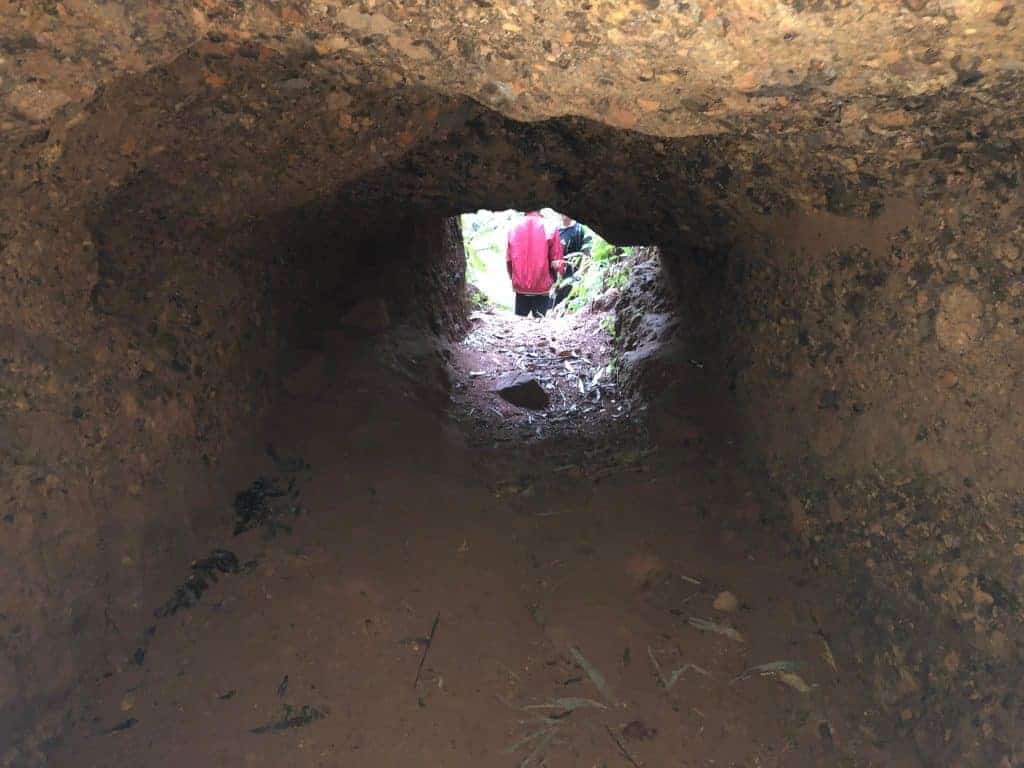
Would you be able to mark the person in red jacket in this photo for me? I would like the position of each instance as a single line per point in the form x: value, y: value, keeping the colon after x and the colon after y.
x: 533, y: 257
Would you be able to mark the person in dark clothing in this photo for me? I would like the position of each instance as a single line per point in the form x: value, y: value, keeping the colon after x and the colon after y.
x: 574, y: 238
x: 575, y: 244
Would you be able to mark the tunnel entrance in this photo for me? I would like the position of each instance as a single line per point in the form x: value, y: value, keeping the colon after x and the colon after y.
x: 524, y: 375
x: 595, y: 270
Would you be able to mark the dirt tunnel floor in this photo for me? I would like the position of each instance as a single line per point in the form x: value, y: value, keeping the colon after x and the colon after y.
x: 574, y: 585
x: 569, y: 356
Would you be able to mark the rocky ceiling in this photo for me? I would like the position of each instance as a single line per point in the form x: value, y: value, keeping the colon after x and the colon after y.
x: 659, y: 66
x: 265, y: 104
x: 290, y: 101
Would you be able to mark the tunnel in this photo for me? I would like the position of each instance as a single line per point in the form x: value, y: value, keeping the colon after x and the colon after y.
x: 248, y: 519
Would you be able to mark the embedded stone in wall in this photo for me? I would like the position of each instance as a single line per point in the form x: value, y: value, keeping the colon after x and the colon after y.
x: 958, y: 323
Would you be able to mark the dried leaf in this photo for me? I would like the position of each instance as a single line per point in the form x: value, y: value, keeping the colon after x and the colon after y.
x: 769, y: 669
x: 704, y: 625
x: 676, y: 674
x: 794, y: 681
x: 672, y: 679
x: 829, y: 658
x: 569, y: 704
x: 595, y: 676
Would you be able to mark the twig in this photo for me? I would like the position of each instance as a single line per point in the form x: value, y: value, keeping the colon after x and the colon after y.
x: 426, y: 649
x: 705, y: 625
x: 595, y: 676
x: 671, y: 680
x: 625, y: 752
x: 570, y: 704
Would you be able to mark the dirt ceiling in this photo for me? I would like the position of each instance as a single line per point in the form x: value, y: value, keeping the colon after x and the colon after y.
x: 666, y: 68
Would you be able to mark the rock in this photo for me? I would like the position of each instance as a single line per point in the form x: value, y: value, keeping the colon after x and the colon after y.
x: 637, y: 731
x: 294, y: 84
x: 523, y: 390
x: 798, y: 519
x: 1000, y: 646
x: 958, y: 323
x: 606, y: 301
x: 36, y: 103
x: 726, y: 602
x: 369, y: 315
x: 981, y: 597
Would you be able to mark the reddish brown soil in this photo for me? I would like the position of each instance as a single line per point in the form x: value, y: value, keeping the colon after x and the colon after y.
x: 524, y: 549
x: 570, y: 355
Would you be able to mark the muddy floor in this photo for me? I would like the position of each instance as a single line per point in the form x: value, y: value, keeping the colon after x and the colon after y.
x: 435, y: 582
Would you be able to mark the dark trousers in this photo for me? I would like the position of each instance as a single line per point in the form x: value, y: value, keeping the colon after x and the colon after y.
x: 527, y: 303
x: 566, y: 288
x: 561, y: 293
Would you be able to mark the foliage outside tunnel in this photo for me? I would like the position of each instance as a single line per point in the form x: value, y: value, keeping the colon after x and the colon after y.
x: 484, y: 234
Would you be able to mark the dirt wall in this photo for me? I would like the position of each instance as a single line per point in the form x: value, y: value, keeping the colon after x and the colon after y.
x: 874, y: 366
x: 128, y: 416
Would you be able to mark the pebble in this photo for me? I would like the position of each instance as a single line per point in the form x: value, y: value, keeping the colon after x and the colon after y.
x: 726, y: 602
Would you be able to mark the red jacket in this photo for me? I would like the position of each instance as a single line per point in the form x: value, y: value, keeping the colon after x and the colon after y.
x: 529, y: 256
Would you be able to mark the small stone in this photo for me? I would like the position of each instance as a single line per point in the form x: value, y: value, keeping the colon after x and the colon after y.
x: 958, y: 324
x: 637, y: 731
x: 293, y: 84
x: 620, y: 117
x: 523, y: 390
x: 641, y: 566
x: 726, y: 602
x: 128, y: 702
x: 748, y: 81
x: 1000, y: 646
x: 36, y: 103
x: 606, y: 301
x: 798, y: 519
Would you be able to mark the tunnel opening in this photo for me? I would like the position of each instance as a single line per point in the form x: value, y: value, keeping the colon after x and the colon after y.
x: 592, y: 267
x: 526, y: 374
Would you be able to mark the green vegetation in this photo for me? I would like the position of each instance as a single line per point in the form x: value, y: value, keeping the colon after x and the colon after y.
x: 484, y: 234
x: 608, y: 325
x: 602, y: 270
